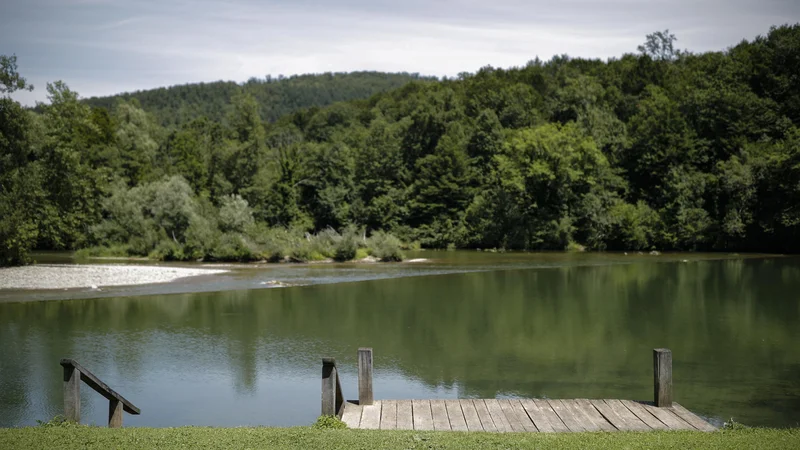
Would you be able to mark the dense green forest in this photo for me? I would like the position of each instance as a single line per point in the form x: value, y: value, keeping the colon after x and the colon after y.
x: 177, y: 105
x: 663, y: 149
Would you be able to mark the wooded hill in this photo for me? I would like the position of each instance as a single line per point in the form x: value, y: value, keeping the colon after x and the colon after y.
x: 662, y: 149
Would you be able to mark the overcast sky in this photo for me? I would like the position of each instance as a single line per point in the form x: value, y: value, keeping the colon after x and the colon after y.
x: 101, y: 47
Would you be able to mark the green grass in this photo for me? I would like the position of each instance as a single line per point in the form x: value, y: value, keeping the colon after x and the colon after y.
x: 75, y: 436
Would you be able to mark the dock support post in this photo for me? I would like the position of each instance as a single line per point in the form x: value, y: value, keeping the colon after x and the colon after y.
x: 72, y: 394
x: 365, y: 376
x: 328, y: 386
x: 114, y: 414
x: 662, y: 377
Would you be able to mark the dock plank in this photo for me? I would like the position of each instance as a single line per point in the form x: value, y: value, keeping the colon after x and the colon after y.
x: 632, y: 422
x: 351, y: 415
x: 566, y: 415
x: 522, y: 416
x: 692, y: 418
x: 498, y: 417
x: 483, y: 414
x: 586, y: 421
x: 388, y: 415
x: 609, y: 414
x: 651, y: 420
x: 511, y: 415
x: 440, y: 420
x: 423, y: 419
x: 586, y: 406
x: 371, y: 416
x: 667, y: 416
x: 555, y: 421
x: 405, y: 416
x: 456, y: 415
x: 536, y: 415
x: 471, y: 415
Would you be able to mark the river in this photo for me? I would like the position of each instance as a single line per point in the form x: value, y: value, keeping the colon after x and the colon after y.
x: 227, y: 350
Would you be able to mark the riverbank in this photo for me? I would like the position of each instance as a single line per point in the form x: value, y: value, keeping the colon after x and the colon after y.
x: 84, y: 437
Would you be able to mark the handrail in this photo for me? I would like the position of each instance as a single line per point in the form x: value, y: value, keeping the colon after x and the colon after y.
x: 332, y: 397
x: 74, y: 373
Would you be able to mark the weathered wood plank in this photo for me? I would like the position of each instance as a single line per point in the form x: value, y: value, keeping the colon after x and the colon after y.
x: 72, y: 393
x: 100, y: 387
x: 388, y: 415
x: 114, y: 414
x: 667, y: 416
x: 456, y: 415
x: 371, y: 416
x: 632, y: 423
x: 498, y: 417
x: 470, y: 415
x: 586, y: 421
x: 692, y: 418
x: 644, y: 416
x: 423, y: 418
x: 511, y: 415
x: 365, y: 396
x: 555, y: 422
x: 483, y: 414
x: 405, y: 416
x: 594, y: 415
x: 522, y: 416
x: 609, y: 414
x: 569, y: 419
x: 662, y: 377
x: 440, y: 420
x: 351, y: 415
x: 536, y: 415
x: 328, y: 387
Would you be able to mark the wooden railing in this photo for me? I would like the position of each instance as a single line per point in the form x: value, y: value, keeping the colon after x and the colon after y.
x: 74, y: 373
x: 332, y: 397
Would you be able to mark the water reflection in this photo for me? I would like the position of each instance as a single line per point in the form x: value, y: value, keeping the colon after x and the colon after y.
x: 233, y: 358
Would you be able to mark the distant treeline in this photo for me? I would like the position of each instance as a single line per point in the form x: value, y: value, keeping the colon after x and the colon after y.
x: 663, y: 149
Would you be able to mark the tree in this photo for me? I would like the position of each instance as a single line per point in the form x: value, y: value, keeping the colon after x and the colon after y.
x: 10, y: 79
x: 660, y: 46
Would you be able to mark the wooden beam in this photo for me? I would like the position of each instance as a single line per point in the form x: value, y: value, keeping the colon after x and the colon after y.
x: 100, y: 387
x: 114, y: 414
x: 662, y: 377
x: 329, y: 387
x: 72, y: 393
x: 365, y: 396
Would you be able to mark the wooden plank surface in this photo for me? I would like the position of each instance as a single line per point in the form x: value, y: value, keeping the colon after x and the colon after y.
x: 371, y: 416
x: 667, y: 416
x: 522, y: 416
x: 423, y: 420
x: 456, y: 415
x: 498, y: 417
x: 405, y: 415
x: 586, y: 421
x: 352, y: 415
x: 483, y: 414
x: 632, y: 423
x: 365, y: 376
x: 440, y: 420
x: 569, y: 419
x: 692, y: 418
x: 644, y: 416
x: 555, y: 421
x: 388, y: 415
x: 594, y: 415
x: 511, y: 415
x: 471, y: 415
x: 609, y: 414
x: 536, y: 415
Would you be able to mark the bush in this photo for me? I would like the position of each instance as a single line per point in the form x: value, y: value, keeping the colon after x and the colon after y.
x: 385, y: 247
x: 167, y: 250
x: 232, y: 247
x: 329, y: 423
x: 346, y: 249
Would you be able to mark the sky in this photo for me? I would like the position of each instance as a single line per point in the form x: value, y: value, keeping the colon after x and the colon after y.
x: 103, y: 47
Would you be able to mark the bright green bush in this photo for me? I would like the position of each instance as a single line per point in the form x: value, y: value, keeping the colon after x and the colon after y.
x: 386, y: 247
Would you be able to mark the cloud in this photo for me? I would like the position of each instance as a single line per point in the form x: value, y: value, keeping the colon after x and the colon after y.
x: 101, y: 47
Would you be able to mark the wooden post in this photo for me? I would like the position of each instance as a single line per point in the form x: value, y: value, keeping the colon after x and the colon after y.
x: 662, y: 377
x: 72, y: 394
x: 114, y: 414
x: 365, y: 376
x: 328, y: 386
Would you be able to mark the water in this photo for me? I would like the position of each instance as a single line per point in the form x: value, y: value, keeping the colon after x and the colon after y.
x: 477, y: 325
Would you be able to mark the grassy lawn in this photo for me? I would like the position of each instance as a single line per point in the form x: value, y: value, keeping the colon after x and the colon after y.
x: 65, y: 437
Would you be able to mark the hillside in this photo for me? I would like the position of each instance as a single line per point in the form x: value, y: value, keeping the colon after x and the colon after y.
x: 176, y: 105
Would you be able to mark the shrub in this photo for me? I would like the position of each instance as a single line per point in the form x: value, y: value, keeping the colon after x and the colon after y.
x: 346, y: 249
x: 329, y: 423
x: 234, y: 214
x: 385, y: 246
x: 167, y: 250
x: 232, y: 247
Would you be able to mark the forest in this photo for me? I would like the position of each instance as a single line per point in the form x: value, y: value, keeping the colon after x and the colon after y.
x: 659, y: 149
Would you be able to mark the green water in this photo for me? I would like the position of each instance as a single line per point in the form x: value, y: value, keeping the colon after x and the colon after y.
x: 547, y: 325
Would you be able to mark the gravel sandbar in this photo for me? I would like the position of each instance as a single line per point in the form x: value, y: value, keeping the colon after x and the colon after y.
x: 45, y: 276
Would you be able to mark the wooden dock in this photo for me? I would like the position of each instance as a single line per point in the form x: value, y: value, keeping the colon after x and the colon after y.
x: 520, y: 415
x: 508, y: 415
